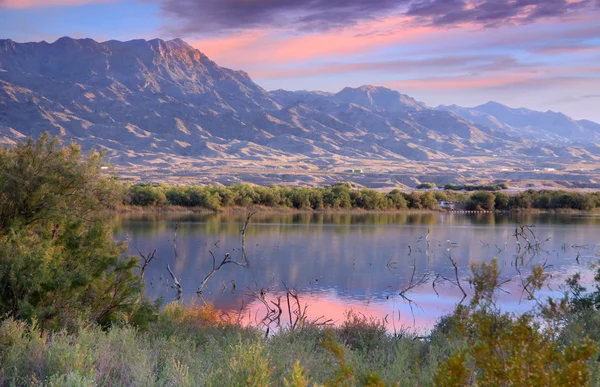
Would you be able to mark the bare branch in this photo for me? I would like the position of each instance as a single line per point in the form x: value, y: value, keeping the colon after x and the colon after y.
x: 176, y: 284
x: 226, y: 260
x: 457, y: 279
x: 146, y: 261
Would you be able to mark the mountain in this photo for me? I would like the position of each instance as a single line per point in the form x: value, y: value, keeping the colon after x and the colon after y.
x: 158, y: 104
x: 530, y: 123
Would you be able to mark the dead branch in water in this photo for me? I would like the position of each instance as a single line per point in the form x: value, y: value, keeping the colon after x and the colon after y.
x: 176, y: 284
x: 245, y: 225
x: 227, y: 259
x: 288, y: 303
x: 243, y: 232
x: 175, y: 238
x: 456, y: 281
x: 146, y: 261
x: 533, y: 246
x: 413, y: 283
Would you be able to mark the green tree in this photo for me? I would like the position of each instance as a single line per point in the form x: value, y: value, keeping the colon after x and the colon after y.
x: 58, y: 259
x: 481, y: 201
x: 501, y: 201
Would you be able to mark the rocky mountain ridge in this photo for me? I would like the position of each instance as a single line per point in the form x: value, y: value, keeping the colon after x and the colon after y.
x: 157, y: 101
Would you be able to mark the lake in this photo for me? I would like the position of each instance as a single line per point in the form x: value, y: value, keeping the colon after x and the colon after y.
x: 338, y: 262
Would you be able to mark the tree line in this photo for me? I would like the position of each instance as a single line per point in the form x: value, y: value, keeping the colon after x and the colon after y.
x: 345, y: 196
x: 532, y: 199
x: 339, y: 196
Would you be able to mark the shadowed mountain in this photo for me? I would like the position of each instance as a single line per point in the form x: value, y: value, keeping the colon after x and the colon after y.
x: 549, y: 126
x: 159, y: 100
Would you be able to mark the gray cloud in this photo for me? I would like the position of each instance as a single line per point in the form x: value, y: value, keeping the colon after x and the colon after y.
x: 492, y: 13
x: 471, y: 64
x: 214, y: 16
x: 231, y: 15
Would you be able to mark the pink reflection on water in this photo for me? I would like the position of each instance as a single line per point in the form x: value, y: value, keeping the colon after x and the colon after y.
x: 419, y: 315
x: 396, y: 313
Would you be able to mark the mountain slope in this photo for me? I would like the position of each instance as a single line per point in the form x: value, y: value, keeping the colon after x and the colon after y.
x: 156, y: 101
x: 550, y: 126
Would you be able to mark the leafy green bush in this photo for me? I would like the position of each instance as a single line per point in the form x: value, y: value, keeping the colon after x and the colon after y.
x: 58, y: 260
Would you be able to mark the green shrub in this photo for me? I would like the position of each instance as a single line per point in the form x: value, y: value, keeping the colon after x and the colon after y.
x: 58, y: 258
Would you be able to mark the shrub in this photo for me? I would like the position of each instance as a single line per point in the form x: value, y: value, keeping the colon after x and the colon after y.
x: 58, y: 259
x: 362, y: 333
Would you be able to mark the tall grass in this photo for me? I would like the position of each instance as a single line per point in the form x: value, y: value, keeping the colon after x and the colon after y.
x: 197, y: 346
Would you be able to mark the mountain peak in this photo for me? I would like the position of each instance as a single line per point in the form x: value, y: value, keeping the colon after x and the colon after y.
x: 492, y: 104
x: 66, y: 41
x: 179, y: 42
x: 379, y: 98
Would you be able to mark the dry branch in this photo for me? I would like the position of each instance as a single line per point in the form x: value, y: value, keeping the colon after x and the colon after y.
x: 176, y: 284
x: 146, y: 261
x: 227, y: 259
x: 456, y: 281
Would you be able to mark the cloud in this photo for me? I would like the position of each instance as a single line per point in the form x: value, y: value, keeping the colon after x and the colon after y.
x: 221, y: 16
x: 493, y: 13
x: 472, y: 64
x: 264, y: 46
x: 48, y: 3
x: 570, y: 99
x: 565, y: 49
x: 543, y: 79
x: 232, y: 15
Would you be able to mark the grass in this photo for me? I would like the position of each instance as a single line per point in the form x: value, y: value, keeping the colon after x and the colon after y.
x: 197, y: 345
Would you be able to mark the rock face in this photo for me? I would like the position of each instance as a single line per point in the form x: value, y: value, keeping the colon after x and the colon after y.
x: 140, y: 98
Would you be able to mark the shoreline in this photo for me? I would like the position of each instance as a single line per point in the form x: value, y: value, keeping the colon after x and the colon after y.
x: 353, y: 211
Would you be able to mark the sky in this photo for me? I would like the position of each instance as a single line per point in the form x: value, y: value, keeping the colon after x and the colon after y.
x: 539, y: 54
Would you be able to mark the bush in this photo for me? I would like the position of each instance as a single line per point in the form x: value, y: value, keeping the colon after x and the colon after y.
x: 426, y: 186
x: 362, y: 333
x: 481, y: 201
x: 58, y: 259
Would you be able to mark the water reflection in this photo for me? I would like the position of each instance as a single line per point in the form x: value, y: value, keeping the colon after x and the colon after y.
x: 339, y: 261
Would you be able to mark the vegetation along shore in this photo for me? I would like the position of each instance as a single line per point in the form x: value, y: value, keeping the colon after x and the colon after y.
x: 344, y: 196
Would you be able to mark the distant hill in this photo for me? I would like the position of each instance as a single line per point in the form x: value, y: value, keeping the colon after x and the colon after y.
x: 142, y: 100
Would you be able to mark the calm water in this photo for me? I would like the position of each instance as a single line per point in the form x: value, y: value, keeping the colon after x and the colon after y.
x: 339, y: 262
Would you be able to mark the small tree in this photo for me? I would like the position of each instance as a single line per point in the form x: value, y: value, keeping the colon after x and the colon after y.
x: 58, y: 259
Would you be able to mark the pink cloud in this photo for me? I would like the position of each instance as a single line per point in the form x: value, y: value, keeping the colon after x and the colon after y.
x: 260, y: 46
x: 541, y: 78
x: 562, y: 50
x: 462, y: 82
x: 48, y: 3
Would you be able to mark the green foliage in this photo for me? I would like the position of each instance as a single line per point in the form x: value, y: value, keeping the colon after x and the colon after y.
x: 297, y: 377
x: 249, y: 366
x: 344, y: 196
x: 339, y: 196
x: 58, y: 260
x: 427, y: 186
x: 481, y: 201
x: 471, y: 187
x: 145, y: 195
x: 505, y: 349
x: 361, y: 332
x: 344, y: 372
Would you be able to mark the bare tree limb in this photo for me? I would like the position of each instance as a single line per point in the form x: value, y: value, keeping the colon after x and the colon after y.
x: 176, y: 284
x: 146, y: 261
x: 216, y: 268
